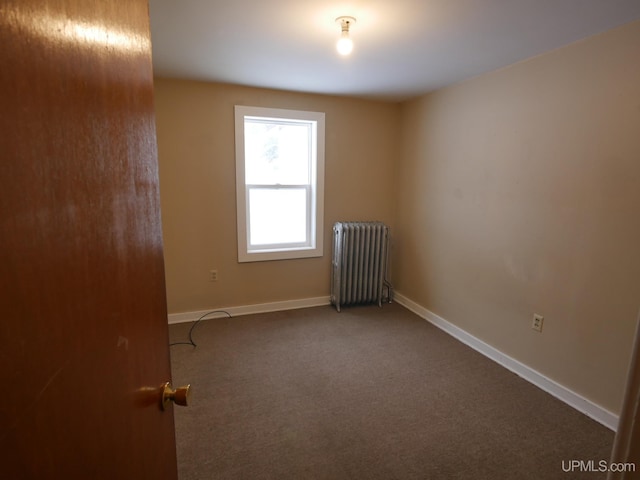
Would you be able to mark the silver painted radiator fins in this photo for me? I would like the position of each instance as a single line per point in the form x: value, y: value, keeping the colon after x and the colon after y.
x: 359, y: 266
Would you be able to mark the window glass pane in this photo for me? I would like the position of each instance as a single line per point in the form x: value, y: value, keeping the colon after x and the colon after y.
x: 277, y: 152
x: 277, y: 216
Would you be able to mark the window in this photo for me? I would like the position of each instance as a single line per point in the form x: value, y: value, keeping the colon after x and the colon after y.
x: 279, y: 183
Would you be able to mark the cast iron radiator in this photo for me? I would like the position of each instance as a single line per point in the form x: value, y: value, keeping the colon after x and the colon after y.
x: 359, y: 266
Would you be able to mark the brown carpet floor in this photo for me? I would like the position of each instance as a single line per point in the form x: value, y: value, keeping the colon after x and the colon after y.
x: 368, y: 393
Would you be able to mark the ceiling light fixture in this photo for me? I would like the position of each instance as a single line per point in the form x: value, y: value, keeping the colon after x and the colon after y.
x: 345, y: 44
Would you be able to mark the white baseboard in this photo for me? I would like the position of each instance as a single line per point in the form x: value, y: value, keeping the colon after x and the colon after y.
x: 249, y: 309
x: 561, y: 392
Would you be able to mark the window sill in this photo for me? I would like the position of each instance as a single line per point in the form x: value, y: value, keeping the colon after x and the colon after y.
x: 280, y: 254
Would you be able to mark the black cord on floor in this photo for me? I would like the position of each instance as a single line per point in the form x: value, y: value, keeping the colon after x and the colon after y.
x: 191, y: 342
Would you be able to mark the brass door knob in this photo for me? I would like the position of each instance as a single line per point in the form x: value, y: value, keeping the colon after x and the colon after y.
x: 179, y: 396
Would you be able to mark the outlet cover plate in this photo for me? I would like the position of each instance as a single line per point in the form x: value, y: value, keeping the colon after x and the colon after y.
x: 537, y: 323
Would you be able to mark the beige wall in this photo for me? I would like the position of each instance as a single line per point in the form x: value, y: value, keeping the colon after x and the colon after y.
x: 195, y: 124
x: 519, y: 192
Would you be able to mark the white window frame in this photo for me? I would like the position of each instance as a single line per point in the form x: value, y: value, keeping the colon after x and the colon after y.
x: 315, y: 189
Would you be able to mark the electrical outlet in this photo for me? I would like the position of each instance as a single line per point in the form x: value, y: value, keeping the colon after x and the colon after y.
x: 538, y: 320
x: 213, y: 275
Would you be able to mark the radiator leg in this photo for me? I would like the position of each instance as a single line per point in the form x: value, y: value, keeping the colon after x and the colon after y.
x: 389, y: 291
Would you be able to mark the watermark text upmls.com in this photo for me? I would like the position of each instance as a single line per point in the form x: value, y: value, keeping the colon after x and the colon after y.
x: 596, y: 466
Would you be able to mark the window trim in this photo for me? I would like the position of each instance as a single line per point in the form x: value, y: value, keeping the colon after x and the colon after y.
x: 316, y: 224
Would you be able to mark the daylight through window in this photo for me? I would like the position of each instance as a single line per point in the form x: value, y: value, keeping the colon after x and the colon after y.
x: 280, y: 172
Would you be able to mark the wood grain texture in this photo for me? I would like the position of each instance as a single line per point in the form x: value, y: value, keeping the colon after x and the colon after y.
x: 82, y: 279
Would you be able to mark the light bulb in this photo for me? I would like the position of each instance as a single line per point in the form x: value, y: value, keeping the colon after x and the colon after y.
x: 344, y: 45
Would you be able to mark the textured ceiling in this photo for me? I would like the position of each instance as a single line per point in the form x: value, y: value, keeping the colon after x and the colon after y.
x: 403, y: 48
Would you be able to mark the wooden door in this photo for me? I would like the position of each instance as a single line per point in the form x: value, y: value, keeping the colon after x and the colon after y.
x: 84, y: 338
x: 626, y: 446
